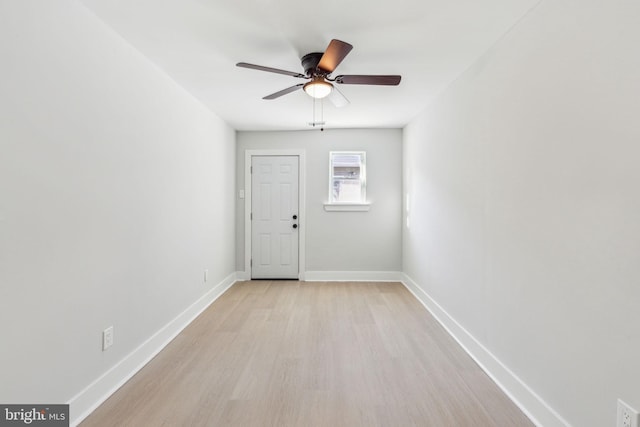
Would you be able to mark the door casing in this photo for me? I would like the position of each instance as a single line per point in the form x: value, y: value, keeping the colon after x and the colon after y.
x: 302, y: 223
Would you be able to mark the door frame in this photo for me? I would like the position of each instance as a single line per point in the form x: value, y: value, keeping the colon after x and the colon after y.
x: 248, y: 154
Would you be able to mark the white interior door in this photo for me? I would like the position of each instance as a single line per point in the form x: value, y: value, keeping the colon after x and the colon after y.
x: 274, y: 217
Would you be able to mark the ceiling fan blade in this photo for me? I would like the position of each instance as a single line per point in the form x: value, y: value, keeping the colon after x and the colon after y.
x: 284, y: 91
x: 270, y: 70
x: 337, y: 98
x: 333, y: 56
x: 369, y: 80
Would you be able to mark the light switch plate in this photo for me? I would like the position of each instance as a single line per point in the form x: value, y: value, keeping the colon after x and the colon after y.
x: 627, y: 416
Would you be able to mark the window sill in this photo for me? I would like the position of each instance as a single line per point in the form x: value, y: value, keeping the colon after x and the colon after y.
x: 347, y: 207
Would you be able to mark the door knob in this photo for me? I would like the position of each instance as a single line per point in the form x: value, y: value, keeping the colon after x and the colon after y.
x: 295, y: 217
x: 295, y: 225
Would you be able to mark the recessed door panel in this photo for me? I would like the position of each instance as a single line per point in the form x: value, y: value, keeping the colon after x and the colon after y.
x: 265, y: 249
x: 285, y: 249
x: 285, y: 202
x: 265, y: 202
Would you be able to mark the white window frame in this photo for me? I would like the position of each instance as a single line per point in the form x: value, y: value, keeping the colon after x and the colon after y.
x: 362, y: 204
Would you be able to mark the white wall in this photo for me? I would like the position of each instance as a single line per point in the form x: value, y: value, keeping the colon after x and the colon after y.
x: 523, y: 186
x: 111, y: 182
x: 340, y: 241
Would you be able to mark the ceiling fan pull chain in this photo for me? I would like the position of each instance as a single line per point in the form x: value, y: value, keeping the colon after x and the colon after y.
x: 314, y: 120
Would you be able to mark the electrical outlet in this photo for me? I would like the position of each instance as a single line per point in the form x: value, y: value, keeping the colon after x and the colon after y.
x: 107, y: 338
x: 627, y: 416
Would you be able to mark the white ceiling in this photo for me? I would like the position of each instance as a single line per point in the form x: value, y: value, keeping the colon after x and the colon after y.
x: 198, y: 42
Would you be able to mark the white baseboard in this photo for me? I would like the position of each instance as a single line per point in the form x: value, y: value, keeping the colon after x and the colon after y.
x: 85, y: 402
x: 526, y: 399
x: 538, y: 411
x: 243, y: 275
x: 353, y: 276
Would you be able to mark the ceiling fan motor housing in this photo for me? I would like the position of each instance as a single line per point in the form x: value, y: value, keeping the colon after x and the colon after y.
x: 310, y: 63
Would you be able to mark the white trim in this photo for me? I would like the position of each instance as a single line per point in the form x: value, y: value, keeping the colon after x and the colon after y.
x: 354, y: 276
x: 538, y: 411
x: 85, y: 402
x: 347, y: 207
x: 301, y: 206
x: 242, y: 276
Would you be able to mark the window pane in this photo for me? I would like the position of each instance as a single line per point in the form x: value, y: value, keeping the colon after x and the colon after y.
x: 346, y: 159
x: 346, y: 190
x: 347, y: 177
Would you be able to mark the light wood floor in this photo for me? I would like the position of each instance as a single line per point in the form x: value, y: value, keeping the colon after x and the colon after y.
x: 311, y: 354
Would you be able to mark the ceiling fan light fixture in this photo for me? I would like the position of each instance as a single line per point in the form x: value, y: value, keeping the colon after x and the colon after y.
x: 318, y: 88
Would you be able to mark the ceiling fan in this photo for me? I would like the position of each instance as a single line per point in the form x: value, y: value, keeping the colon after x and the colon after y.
x: 318, y: 67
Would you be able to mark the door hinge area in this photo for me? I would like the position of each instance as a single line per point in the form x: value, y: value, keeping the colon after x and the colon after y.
x: 251, y: 216
x: 251, y: 263
x: 250, y: 169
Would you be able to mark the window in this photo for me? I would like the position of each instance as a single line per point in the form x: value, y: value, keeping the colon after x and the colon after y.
x: 347, y: 177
